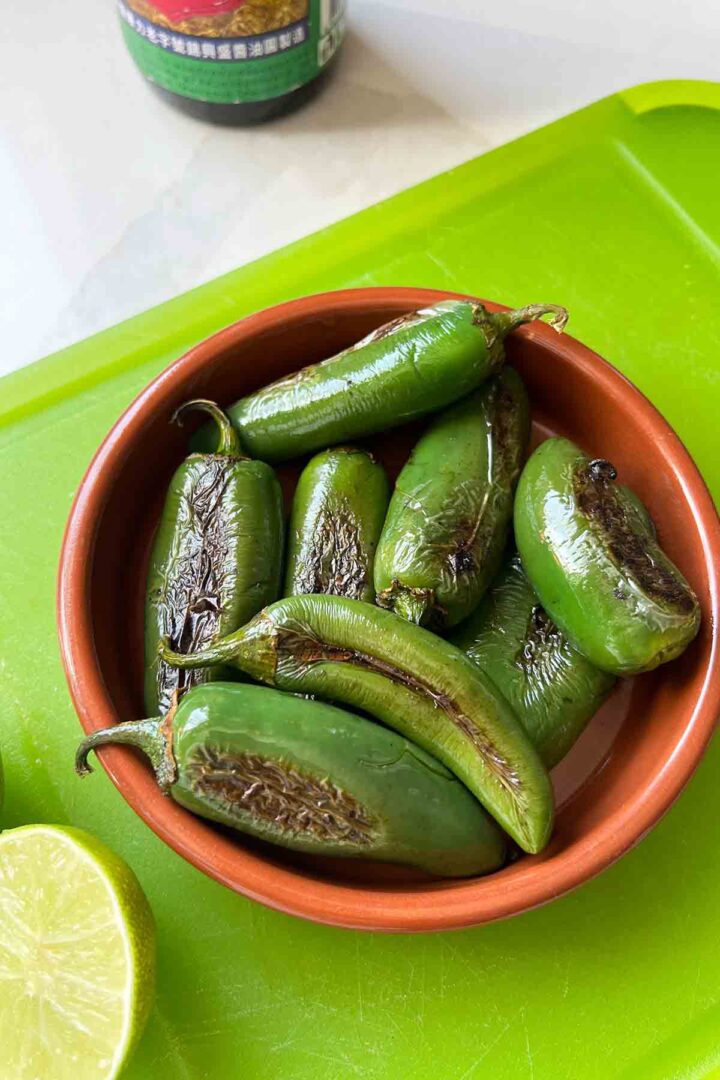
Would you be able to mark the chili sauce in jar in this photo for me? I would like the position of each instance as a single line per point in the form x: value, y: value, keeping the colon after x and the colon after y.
x: 234, y: 61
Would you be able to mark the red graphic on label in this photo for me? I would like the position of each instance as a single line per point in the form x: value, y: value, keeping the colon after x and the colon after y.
x: 179, y: 10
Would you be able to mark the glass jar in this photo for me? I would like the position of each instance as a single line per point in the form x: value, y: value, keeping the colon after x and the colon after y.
x: 234, y: 61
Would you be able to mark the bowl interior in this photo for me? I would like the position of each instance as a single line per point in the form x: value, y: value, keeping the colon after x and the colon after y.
x: 625, y: 748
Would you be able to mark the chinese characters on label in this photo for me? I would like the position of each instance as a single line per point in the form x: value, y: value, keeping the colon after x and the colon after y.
x: 249, y: 48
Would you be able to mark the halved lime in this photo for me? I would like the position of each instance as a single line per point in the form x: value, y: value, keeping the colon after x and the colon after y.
x: 77, y: 956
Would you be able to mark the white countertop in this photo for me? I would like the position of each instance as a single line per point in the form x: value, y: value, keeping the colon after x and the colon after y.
x: 113, y: 202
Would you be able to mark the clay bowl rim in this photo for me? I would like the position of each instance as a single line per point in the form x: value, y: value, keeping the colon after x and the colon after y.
x: 433, y: 907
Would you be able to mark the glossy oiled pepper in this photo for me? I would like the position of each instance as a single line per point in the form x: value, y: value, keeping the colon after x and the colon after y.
x: 596, y: 565
x: 313, y: 778
x: 216, y: 559
x: 337, y: 514
x: 450, y: 513
x: 405, y: 369
x: 350, y: 652
x: 553, y: 689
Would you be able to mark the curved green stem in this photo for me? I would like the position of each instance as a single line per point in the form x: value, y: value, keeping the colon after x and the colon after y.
x: 252, y: 649
x: 221, y: 653
x: 506, y: 321
x: 229, y: 441
x: 153, y: 737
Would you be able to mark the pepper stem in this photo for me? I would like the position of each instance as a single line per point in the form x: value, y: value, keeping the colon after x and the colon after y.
x: 506, y: 321
x: 222, y: 652
x: 153, y: 737
x: 229, y: 441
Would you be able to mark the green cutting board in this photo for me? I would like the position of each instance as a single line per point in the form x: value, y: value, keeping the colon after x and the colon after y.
x: 614, y: 212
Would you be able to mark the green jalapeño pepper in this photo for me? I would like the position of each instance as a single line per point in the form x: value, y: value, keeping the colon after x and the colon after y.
x: 593, y: 560
x: 553, y: 688
x: 312, y: 778
x: 412, y: 366
x: 216, y: 559
x: 337, y: 515
x: 450, y: 514
x: 359, y: 655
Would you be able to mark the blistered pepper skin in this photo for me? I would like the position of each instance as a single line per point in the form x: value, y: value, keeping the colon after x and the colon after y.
x: 412, y: 366
x: 216, y: 558
x: 599, y: 572
x: 451, y: 511
x: 553, y: 689
x: 337, y: 515
x: 310, y: 777
x: 352, y: 653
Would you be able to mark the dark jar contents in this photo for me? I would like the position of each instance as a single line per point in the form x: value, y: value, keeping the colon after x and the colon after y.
x: 234, y: 61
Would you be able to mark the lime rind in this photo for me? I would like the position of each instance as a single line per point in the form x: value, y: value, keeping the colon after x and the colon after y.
x: 77, y: 955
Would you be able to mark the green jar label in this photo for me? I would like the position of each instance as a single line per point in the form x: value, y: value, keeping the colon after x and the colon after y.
x: 232, y: 51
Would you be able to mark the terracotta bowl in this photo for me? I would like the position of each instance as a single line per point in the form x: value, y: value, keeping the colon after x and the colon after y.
x: 629, y: 766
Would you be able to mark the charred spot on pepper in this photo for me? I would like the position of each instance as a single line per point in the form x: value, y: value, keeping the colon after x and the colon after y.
x: 335, y: 563
x: 462, y: 560
x: 280, y: 795
x: 505, y: 429
x: 299, y: 646
x: 467, y: 536
x: 597, y: 497
x: 389, y: 328
x: 352, y: 450
x: 297, y: 378
x: 470, y: 543
x: 418, y: 606
x: 192, y: 597
x: 602, y: 471
x: 473, y: 536
x: 544, y: 652
x: 542, y: 637
x: 493, y: 339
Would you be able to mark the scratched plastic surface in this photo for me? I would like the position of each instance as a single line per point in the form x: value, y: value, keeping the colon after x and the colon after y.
x: 614, y: 212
